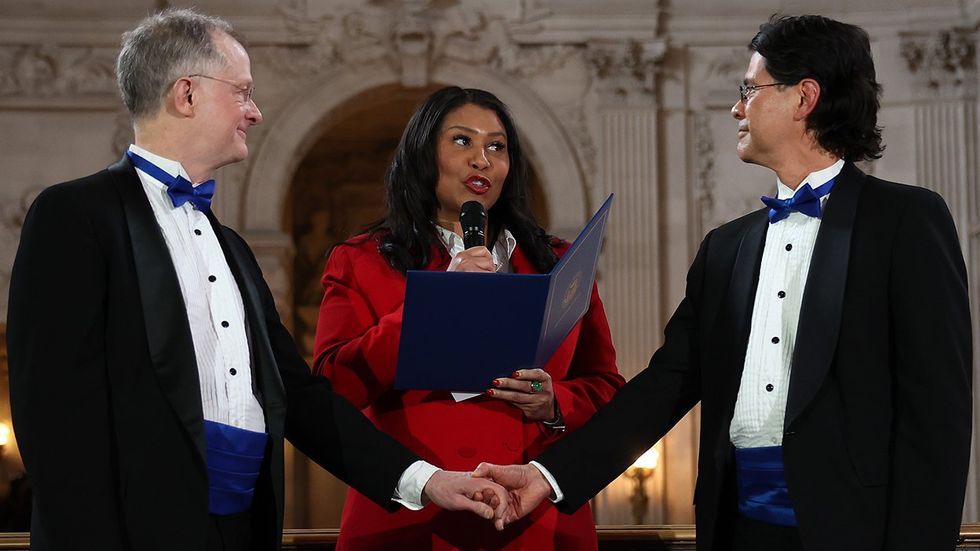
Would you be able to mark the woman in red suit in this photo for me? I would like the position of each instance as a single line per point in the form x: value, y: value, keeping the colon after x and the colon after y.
x: 459, y: 146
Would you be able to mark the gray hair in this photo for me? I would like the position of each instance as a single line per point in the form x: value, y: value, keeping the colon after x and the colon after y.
x: 164, y: 47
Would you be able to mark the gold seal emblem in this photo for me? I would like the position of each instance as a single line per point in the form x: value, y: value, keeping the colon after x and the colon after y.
x: 572, y: 290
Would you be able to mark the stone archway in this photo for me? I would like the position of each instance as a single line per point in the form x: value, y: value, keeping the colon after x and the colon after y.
x: 552, y: 155
x: 550, y: 151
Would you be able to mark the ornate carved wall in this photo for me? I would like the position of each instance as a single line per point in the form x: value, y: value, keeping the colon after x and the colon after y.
x: 626, y: 96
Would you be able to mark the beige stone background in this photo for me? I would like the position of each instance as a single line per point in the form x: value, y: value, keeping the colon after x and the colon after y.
x: 625, y: 96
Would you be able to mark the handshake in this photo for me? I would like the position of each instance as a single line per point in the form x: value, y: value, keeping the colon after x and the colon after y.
x: 501, y: 493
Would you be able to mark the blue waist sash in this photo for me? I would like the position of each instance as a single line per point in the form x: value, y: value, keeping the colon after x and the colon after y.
x: 234, y: 460
x: 762, y: 491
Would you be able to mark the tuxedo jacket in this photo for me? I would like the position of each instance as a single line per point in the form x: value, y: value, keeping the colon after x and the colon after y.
x: 357, y: 349
x: 104, y: 384
x: 876, y: 439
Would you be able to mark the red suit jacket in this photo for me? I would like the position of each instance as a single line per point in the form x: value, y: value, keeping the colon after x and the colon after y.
x: 357, y: 347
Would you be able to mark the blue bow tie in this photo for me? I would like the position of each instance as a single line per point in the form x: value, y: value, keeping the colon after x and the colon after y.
x: 179, y: 188
x: 805, y: 201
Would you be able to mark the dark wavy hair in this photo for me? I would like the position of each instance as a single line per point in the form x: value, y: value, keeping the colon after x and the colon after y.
x: 838, y: 57
x: 406, y: 235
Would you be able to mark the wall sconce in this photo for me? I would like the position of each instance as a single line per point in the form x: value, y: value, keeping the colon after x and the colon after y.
x: 639, y: 472
x: 4, y: 435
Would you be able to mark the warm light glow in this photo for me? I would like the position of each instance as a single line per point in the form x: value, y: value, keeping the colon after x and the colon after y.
x: 4, y: 434
x: 648, y: 460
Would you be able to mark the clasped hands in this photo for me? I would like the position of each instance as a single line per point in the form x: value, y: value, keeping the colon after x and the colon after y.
x: 500, y: 493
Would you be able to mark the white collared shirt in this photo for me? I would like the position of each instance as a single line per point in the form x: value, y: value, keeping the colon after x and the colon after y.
x: 501, y: 252
x: 761, y: 405
x: 213, y: 302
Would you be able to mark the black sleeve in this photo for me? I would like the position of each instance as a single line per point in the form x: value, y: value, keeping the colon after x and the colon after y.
x: 325, y: 426
x: 930, y: 316
x: 641, y: 413
x: 58, y: 379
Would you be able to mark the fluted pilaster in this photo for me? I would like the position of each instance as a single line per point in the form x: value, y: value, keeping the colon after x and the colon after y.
x: 627, y: 163
x: 627, y: 129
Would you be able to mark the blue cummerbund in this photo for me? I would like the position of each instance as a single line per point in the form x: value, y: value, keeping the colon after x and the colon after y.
x: 762, y: 491
x: 234, y: 460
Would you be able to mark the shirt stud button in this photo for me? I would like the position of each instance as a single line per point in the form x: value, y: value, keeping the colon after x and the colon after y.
x: 225, y: 324
x: 781, y: 294
x: 789, y: 246
x: 233, y: 371
x: 212, y: 279
x: 197, y: 232
x: 769, y: 387
x: 775, y: 340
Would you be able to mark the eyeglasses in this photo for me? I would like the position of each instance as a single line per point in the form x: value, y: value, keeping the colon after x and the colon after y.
x: 745, y: 90
x: 245, y: 93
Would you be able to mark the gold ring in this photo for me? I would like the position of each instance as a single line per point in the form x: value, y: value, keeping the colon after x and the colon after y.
x: 535, y: 386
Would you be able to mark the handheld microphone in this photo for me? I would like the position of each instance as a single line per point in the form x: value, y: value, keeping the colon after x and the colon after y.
x: 473, y: 218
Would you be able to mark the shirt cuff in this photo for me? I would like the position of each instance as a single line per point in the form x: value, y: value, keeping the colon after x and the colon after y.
x: 556, y: 494
x: 408, y: 492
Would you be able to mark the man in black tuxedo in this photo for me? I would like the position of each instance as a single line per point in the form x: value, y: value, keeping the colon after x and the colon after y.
x: 827, y: 337
x: 152, y: 381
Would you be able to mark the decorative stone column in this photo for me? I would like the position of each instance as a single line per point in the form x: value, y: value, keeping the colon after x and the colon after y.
x: 626, y: 132
x: 943, y: 67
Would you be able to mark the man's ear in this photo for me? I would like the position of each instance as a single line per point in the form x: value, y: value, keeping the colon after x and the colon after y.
x: 181, y: 96
x: 809, y: 91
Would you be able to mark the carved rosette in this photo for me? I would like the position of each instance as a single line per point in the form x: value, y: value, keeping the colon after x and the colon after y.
x: 942, y: 63
x: 624, y: 73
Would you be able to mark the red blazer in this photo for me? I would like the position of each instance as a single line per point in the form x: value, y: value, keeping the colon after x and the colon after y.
x: 357, y: 347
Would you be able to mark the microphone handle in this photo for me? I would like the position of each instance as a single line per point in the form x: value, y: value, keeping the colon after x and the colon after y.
x: 473, y: 237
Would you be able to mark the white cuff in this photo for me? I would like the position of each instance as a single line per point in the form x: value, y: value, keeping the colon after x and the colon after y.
x: 556, y: 494
x: 411, y: 483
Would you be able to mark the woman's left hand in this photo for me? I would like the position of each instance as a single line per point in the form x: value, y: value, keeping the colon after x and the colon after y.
x: 530, y: 390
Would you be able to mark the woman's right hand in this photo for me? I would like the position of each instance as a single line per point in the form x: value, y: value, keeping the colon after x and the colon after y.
x: 474, y: 259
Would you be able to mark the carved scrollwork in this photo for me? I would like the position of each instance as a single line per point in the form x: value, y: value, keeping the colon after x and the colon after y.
x: 42, y: 70
x: 945, y: 62
x: 410, y: 36
x: 574, y: 120
x: 624, y: 72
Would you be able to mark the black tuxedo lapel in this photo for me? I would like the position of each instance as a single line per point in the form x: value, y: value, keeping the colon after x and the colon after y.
x: 735, y: 322
x: 164, y: 313
x: 823, y: 296
x: 264, y: 371
x: 745, y: 279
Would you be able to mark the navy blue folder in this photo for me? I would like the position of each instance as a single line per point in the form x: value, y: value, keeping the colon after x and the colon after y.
x: 460, y: 330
